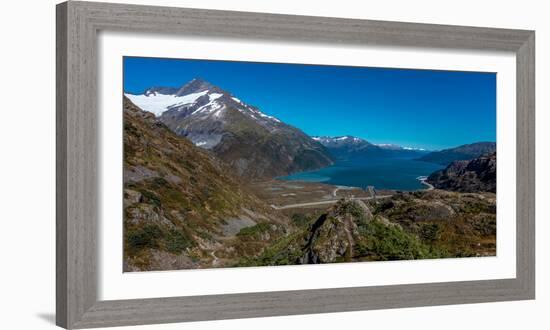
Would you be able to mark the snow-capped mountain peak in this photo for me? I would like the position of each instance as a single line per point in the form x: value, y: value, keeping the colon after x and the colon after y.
x: 196, y: 97
x: 200, y: 105
x: 252, y: 142
x: 196, y: 85
x: 390, y: 146
x: 328, y: 141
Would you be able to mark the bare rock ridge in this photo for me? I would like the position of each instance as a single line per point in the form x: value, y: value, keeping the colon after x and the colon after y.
x: 254, y: 144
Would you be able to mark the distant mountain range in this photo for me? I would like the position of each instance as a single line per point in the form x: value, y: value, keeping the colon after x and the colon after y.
x: 351, y: 147
x: 258, y: 146
x: 253, y: 143
x: 463, y: 152
x: 478, y: 174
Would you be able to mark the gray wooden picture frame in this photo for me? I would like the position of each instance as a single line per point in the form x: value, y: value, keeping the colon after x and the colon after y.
x: 78, y: 24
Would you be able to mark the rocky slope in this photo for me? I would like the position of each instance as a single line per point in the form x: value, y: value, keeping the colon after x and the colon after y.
x: 253, y: 143
x: 464, y: 152
x: 474, y: 175
x: 347, y: 232
x: 182, y: 207
x: 450, y: 224
x: 405, y: 226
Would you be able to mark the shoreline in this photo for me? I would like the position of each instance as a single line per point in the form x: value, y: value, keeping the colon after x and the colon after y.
x: 424, y: 181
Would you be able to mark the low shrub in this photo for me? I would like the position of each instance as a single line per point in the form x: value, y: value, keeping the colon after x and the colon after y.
x: 176, y: 241
x: 144, y: 237
x: 382, y: 242
x: 254, y: 232
x: 430, y: 232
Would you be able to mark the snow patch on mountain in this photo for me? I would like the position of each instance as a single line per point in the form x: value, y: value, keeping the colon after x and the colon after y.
x: 338, y: 139
x: 205, y: 140
x: 412, y: 148
x: 391, y: 146
x: 158, y: 103
x: 268, y: 117
x: 210, y: 107
x: 215, y: 96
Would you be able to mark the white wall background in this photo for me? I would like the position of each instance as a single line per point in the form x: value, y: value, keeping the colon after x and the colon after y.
x: 27, y: 166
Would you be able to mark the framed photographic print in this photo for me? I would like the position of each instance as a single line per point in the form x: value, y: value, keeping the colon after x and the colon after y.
x: 216, y: 165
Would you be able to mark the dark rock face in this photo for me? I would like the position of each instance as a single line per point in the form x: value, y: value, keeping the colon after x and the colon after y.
x: 475, y: 175
x: 255, y: 151
x: 195, y: 86
x: 464, y: 152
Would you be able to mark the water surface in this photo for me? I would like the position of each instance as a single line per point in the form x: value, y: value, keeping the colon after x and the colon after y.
x: 380, y: 172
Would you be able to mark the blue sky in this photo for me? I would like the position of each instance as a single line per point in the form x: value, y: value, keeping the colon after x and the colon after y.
x: 417, y: 108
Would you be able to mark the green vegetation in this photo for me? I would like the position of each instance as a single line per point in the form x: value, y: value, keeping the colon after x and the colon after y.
x: 150, y: 197
x: 350, y: 208
x: 300, y: 219
x: 450, y: 223
x: 152, y: 236
x: 419, y: 225
x: 176, y: 242
x: 144, y: 237
x: 254, y: 232
x: 486, y: 226
x: 380, y: 241
x: 283, y: 251
x: 430, y: 232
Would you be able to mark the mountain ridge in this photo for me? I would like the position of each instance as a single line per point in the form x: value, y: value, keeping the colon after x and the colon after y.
x: 462, y: 152
x: 254, y: 144
x: 350, y: 147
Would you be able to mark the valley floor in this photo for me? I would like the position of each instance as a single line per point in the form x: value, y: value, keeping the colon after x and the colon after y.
x: 281, y: 194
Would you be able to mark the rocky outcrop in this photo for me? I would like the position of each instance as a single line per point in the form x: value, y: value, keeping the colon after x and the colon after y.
x: 333, y: 235
x: 476, y: 175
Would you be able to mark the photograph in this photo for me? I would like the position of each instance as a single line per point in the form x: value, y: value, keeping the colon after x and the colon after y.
x: 240, y: 164
x: 274, y: 165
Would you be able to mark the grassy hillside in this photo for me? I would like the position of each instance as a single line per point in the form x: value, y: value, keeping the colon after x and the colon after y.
x: 181, y: 205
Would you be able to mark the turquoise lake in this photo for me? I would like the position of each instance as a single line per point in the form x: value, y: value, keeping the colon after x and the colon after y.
x: 382, y: 173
